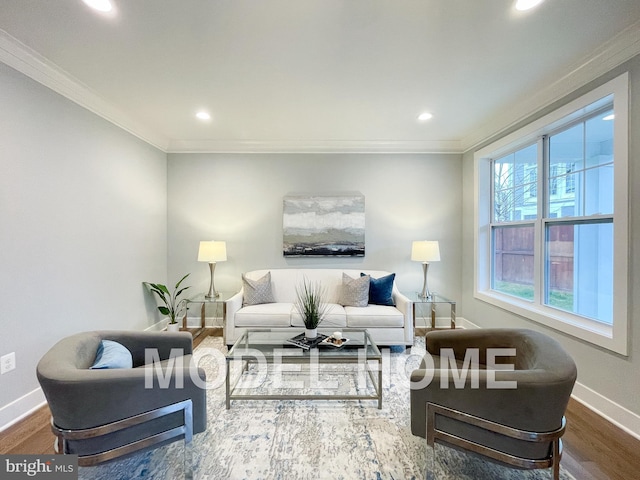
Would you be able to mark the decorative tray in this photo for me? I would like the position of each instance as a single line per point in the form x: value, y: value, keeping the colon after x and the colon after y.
x: 303, y: 342
x: 332, y: 342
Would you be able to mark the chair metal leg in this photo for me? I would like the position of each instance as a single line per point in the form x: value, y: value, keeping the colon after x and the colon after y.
x: 557, y: 449
x: 434, y: 434
x: 185, y: 431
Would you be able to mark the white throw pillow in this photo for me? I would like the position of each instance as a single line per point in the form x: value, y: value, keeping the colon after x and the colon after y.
x: 257, y: 291
x: 355, y: 291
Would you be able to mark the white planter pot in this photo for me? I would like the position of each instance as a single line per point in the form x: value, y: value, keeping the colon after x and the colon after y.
x: 173, y: 327
x: 310, y: 333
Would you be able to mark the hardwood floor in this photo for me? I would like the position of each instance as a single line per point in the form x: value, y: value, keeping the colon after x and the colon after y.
x: 594, y: 449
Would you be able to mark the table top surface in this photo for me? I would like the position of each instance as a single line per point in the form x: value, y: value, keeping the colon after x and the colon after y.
x: 273, y: 343
x: 202, y: 298
x: 435, y: 297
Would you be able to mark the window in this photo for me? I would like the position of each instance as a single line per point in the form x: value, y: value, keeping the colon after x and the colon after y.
x: 552, y: 219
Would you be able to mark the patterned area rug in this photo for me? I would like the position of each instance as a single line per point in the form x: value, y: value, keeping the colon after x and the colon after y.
x: 306, y: 439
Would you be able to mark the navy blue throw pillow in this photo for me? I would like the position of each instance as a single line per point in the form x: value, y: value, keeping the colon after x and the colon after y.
x: 380, y: 290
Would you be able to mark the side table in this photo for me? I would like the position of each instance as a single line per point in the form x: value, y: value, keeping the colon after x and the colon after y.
x: 434, y: 299
x: 220, y: 300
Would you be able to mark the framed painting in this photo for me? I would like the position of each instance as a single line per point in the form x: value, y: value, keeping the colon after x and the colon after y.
x: 323, y: 225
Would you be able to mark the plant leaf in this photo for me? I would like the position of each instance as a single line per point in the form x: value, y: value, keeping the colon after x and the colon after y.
x: 164, y: 310
x: 180, y: 281
x: 180, y: 291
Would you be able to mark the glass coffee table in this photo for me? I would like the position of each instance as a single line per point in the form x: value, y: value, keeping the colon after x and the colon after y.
x: 263, y: 365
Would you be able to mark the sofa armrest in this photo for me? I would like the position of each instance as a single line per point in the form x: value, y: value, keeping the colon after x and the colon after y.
x: 403, y: 303
x: 233, y: 305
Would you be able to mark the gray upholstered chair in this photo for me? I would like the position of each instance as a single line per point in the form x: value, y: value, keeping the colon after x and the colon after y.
x: 103, y: 414
x: 519, y: 426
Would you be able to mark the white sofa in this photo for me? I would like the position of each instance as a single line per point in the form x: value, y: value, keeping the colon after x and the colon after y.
x: 388, y: 325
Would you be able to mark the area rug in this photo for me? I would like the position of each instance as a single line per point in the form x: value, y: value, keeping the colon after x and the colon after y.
x: 310, y: 439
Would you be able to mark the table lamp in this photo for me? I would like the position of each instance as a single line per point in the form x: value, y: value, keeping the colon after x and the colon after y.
x: 425, y: 251
x: 212, y: 251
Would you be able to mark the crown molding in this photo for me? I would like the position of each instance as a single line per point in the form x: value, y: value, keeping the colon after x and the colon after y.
x: 30, y: 63
x: 35, y: 66
x: 621, y: 48
x: 618, y: 50
x: 314, y: 146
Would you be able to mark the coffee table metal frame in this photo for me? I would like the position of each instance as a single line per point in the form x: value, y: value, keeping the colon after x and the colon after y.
x: 271, y: 343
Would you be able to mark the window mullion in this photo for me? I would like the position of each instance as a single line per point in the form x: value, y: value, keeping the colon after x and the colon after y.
x: 538, y: 264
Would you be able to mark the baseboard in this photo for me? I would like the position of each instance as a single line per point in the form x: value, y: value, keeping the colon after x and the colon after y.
x: 443, y: 322
x: 620, y: 416
x: 20, y: 408
x: 192, y: 322
x: 24, y: 406
x: 159, y: 326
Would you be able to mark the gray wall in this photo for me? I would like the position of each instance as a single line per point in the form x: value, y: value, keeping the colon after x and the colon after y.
x: 238, y: 198
x: 608, y: 374
x: 83, y: 223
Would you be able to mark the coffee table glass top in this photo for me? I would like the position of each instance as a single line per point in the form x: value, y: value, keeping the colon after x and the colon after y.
x: 274, y: 342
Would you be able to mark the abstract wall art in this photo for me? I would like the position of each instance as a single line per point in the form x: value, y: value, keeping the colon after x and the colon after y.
x: 318, y: 225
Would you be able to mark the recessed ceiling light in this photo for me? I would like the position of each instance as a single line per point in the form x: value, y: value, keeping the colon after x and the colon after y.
x: 609, y: 117
x: 203, y: 115
x: 527, y: 4
x: 425, y: 116
x: 100, y: 5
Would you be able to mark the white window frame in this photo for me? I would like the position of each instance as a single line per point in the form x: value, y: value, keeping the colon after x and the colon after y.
x: 612, y: 337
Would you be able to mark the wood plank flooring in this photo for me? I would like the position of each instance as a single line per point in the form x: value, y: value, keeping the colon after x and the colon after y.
x: 594, y: 449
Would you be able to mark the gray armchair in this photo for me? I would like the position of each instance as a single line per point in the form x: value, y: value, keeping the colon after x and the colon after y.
x: 519, y: 426
x: 103, y: 414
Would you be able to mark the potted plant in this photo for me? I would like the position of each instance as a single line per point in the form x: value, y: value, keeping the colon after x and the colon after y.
x: 311, y: 305
x: 172, y: 306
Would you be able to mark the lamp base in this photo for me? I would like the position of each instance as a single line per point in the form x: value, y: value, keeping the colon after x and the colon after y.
x: 425, y: 289
x: 212, y: 289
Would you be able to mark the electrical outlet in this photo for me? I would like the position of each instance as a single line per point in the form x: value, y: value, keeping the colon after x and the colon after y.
x: 7, y: 362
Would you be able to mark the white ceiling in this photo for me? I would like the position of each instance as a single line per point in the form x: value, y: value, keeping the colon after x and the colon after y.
x: 316, y: 75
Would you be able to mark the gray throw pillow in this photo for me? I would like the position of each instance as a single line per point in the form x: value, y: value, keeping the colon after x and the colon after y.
x: 257, y: 291
x: 355, y: 291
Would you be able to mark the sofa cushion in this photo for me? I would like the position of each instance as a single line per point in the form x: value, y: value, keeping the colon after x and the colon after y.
x: 265, y: 315
x: 381, y: 290
x: 335, y: 317
x: 355, y: 291
x: 374, y: 316
x: 256, y: 292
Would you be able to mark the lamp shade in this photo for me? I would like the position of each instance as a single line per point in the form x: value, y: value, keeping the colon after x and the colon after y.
x: 212, y: 251
x: 425, y: 251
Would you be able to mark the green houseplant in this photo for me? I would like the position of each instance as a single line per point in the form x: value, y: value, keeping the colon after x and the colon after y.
x: 311, y: 305
x: 172, y: 305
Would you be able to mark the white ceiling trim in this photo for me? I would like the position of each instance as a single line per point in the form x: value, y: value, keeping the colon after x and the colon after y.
x: 621, y: 48
x: 328, y: 146
x: 30, y: 63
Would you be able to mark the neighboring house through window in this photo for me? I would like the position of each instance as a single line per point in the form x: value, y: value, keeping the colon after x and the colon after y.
x: 552, y: 219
